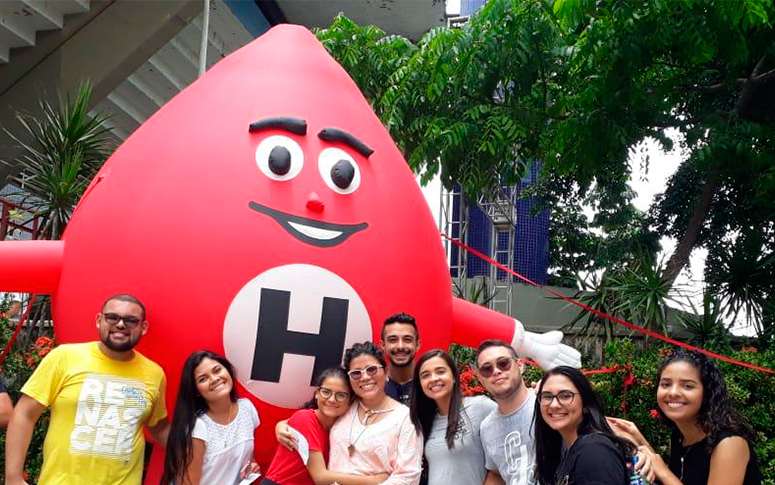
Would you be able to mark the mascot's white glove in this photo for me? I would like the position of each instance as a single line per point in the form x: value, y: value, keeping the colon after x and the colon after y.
x: 544, y: 348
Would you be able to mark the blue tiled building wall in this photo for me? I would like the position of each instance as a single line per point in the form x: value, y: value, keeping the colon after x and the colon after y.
x: 468, y: 7
x: 531, y: 238
x: 531, y: 243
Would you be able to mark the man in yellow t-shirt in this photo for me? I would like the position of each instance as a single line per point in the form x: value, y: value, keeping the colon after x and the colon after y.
x: 100, y: 394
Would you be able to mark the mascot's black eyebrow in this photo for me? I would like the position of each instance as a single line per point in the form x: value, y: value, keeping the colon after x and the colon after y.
x: 335, y: 134
x: 295, y: 125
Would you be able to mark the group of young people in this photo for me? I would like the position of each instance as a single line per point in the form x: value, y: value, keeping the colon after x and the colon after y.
x: 379, y: 418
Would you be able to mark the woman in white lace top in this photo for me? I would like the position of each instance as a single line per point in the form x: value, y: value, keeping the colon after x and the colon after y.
x: 376, y: 434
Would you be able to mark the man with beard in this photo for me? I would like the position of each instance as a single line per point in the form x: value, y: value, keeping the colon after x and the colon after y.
x: 400, y: 341
x: 507, y: 433
x: 100, y: 395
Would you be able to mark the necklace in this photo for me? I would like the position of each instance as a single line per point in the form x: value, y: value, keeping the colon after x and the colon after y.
x: 368, y: 413
x: 225, y: 428
x: 372, y: 412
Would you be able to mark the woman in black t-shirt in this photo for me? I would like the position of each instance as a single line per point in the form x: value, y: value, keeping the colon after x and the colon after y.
x: 711, y: 443
x: 574, y: 443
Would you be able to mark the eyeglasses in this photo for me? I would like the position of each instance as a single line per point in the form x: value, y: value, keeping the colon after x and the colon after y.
x: 563, y: 397
x: 370, y: 371
x: 113, y: 318
x: 504, y: 364
x: 338, y: 396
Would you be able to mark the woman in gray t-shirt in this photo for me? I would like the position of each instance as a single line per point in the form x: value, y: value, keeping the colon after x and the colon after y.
x: 448, y: 422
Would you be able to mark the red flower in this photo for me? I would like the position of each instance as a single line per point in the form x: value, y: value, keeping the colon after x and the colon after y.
x: 43, y: 342
x: 654, y: 413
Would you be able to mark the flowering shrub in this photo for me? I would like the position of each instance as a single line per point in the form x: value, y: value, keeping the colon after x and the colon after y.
x: 469, y: 384
x: 39, y: 349
x: 17, y: 368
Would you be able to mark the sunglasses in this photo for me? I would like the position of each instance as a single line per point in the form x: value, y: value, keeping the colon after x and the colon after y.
x: 113, y: 318
x: 504, y: 364
x: 338, y: 396
x: 563, y: 397
x: 370, y: 371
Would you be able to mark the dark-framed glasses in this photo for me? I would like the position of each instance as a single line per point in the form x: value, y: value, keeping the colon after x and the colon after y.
x: 371, y: 371
x: 113, y: 318
x: 563, y: 397
x: 504, y: 364
x: 326, y: 394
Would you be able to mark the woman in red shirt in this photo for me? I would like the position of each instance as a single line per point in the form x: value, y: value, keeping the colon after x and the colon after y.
x: 313, y: 421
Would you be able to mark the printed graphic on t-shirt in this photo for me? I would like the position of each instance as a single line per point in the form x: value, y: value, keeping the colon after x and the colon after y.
x: 516, y: 458
x: 463, y: 428
x: 108, y: 416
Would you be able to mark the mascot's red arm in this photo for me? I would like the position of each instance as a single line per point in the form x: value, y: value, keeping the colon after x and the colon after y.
x: 31, y: 266
x: 472, y: 323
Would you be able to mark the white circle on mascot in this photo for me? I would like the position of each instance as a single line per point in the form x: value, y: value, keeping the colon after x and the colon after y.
x: 308, y: 285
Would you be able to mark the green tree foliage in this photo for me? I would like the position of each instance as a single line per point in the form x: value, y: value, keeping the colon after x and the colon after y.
x: 368, y: 55
x: 580, y: 85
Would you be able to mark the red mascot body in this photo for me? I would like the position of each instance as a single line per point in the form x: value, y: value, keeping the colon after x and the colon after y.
x: 264, y: 213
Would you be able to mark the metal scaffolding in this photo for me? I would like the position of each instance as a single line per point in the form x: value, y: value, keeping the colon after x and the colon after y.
x: 502, y: 213
x: 453, y: 222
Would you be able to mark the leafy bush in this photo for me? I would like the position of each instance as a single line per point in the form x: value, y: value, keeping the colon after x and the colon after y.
x: 17, y: 368
x: 636, y: 401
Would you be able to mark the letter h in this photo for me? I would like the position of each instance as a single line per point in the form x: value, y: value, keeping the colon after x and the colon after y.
x: 273, y: 339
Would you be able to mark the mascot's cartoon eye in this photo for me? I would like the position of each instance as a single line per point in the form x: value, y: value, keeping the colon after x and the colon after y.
x: 279, y: 157
x: 339, y: 170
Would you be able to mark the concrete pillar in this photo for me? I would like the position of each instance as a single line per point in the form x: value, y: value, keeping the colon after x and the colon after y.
x: 104, y: 45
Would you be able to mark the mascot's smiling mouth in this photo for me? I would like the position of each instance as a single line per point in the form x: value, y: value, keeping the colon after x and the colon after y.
x: 310, y: 231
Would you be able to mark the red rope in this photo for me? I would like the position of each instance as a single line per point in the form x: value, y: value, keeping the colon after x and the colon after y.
x: 602, y: 370
x: 15, y: 334
x: 604, y: 315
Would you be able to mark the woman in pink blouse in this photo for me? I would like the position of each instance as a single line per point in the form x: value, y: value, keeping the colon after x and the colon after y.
x: 376, y: 434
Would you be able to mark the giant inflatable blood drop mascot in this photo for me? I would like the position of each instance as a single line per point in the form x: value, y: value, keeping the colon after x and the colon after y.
x: 264, y: 213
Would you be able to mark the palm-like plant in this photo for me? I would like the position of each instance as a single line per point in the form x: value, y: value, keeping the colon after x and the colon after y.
x: 742, y: 278
x: 643, y: 292
x: 476, y: 291
x: 600, y: 296
x: 637, y: 292
x: 61, y: 152
x: 706, y: 328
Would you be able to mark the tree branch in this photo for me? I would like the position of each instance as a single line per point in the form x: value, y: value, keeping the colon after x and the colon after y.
x: 763, y: 77
x: 758, y: 67
x: 749, y: 88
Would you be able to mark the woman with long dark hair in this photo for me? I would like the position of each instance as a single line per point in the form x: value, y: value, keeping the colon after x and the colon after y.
x: 574, y: 443
x: 332, y: 399
x: 711, y: 443
x: 211, y: 438
x: 448, y: 422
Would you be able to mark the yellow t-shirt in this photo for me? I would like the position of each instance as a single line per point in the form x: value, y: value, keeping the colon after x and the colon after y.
x: 98, y: 406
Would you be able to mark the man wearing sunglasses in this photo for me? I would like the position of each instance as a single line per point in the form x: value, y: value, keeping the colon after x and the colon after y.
x: 100, y: 394
x: 400, y: 341
x: 507, y: 433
